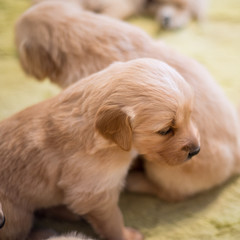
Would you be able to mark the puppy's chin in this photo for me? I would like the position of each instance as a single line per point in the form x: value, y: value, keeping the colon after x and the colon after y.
x: 171, y: 161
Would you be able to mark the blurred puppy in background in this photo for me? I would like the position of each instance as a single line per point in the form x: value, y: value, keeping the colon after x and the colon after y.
x: 76, y: 148
x: 64, y: 45
x: 173, y: 14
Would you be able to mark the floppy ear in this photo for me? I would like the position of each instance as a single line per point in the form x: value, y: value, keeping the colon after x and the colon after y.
x: 36, y: 61
x: 39, y: 49
x: 114, y: 124
x: 199, y: 9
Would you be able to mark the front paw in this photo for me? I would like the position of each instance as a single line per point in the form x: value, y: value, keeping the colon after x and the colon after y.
x: 132, y: 234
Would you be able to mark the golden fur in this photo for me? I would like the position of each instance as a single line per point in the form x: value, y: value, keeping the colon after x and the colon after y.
x: 91, y: 43
x: 172, y: 14
x: 121, y: 9
x: 76, y: 148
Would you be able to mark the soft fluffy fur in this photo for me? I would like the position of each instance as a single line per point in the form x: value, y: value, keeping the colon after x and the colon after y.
x: 172, y: 14
x: 76, y: 148
x: 91, y: 43
x: 121, y: 9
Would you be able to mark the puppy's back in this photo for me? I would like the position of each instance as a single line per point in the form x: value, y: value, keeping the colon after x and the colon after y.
x: 56, y: 38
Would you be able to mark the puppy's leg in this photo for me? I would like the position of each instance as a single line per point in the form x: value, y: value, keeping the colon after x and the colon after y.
x: 138, y: 182
x: 103, y: 213
x: 108, y: 223
x: 18, y: 221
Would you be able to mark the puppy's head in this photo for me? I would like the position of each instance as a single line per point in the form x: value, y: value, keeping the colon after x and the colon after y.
x: 150, y: 110
x: 173, y: 14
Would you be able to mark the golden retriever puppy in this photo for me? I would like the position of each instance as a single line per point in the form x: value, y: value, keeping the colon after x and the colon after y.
x: 76, y: 148
x: 121, y: 9
x: 92, y: 42
x: 172, y: 14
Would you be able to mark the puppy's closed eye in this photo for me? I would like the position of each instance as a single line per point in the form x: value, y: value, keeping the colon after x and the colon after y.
x: 165, y: 131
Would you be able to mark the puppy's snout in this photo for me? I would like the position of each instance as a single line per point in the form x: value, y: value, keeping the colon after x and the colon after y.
x: 193, y: 152
x: 192, y: 149
x: 166, y: 21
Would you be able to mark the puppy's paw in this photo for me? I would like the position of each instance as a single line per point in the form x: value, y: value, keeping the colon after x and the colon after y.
x: 132, y: 234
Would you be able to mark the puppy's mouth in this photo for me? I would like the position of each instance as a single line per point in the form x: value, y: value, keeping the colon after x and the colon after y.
x: 175, y: 160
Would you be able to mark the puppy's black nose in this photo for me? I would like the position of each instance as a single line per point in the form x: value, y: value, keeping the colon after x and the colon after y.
x: 166, y: 21
x: 2, y: 221
x: 193, y: 152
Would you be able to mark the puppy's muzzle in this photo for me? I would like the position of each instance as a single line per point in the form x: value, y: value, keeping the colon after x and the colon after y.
x: 194, y: 152
x: 166, y: 21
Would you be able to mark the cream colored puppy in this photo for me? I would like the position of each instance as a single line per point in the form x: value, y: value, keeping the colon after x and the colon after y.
x: 65, y: 45
x: 76, y: 148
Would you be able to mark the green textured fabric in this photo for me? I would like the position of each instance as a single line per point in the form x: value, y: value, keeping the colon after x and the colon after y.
x: 216, y: 44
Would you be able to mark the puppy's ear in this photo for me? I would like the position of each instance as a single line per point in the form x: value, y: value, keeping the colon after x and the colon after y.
x: 114, y: 124
x: 36, y: 60
x: 39, y: 50
x: 199, y: 9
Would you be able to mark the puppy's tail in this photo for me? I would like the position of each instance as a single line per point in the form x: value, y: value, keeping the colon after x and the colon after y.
x: 2, y: 217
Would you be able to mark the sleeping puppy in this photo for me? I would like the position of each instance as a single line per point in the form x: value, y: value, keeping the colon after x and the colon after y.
x: 172, y: 14
x: 121, y: 9
x: 91, y: 43
x: 76, y: 148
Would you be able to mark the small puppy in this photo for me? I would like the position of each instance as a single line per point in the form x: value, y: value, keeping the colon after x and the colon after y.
x: 92, y: 42
x: 76, y: 148
x: 172, y: 14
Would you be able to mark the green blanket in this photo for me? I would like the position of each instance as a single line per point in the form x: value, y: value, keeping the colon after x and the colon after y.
x: 216, y: 44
